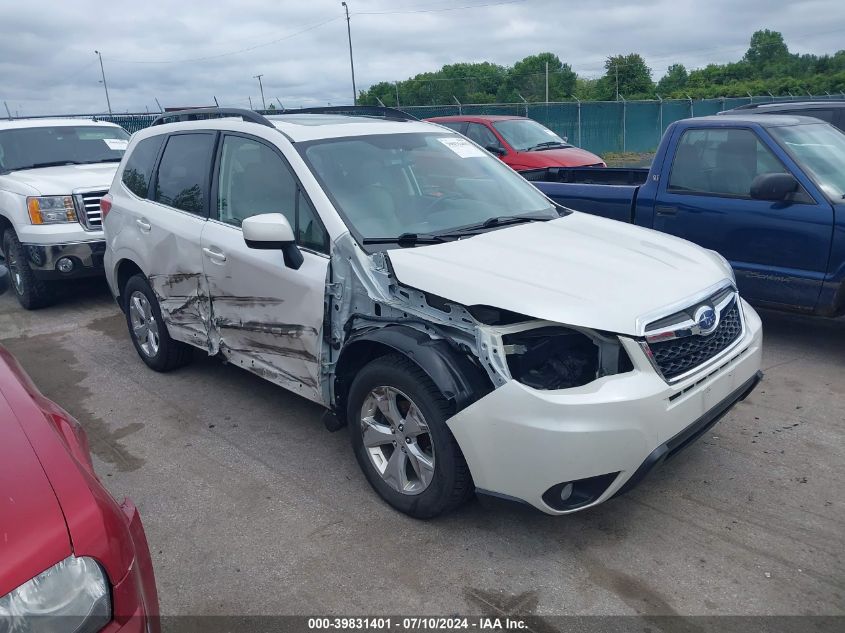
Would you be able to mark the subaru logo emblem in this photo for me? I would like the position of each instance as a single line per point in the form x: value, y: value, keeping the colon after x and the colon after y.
x: 706, y: 320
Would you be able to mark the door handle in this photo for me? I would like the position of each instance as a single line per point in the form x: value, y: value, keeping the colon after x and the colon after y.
x: 145, y: 226
x: 214, y: 255
x: 666, y: 211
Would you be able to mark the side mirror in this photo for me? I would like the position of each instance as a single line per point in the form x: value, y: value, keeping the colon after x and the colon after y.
x: 775, y: 187
x: 5, y: 279
x: 272, y: 231
x: 498, y: 150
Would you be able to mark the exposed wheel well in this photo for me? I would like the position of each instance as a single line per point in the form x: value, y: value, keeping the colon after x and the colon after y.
x: 4, y: 224
x: 126, y: 269
x: 351, y: 361
x: 455, y: 374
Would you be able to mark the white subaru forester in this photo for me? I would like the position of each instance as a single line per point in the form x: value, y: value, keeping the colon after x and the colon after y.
x: 474, y: 336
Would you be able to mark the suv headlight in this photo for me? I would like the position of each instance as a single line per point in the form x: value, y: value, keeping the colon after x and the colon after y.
x: 555, y: 357
x: 50, y: 209
x: 72, y: 595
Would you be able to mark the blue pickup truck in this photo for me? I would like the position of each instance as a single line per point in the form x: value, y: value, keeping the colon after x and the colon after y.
x: 766, y: 192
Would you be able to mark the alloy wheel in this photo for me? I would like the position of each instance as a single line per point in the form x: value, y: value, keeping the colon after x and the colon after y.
x: 144, y: 325
x: 397, y: 440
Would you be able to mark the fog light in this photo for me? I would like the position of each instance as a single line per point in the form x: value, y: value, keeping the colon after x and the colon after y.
x: 570, y: 495
x: 65, y: 265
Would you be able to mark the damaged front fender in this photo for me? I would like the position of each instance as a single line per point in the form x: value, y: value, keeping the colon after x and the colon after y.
x: 454, y: 372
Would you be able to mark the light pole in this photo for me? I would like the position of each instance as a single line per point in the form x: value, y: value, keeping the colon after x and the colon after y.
x: 105, y: 85
x: 351, y: 63
x: 261, y: 88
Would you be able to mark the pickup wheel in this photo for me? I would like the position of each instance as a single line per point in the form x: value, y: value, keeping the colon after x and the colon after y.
x: 397, y: 419
x: 32, y: 293
x: 147, y: 329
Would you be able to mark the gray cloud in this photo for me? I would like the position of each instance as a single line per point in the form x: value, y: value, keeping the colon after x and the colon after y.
x: 47, y: 61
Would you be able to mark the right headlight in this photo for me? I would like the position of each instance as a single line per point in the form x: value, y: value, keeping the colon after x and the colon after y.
x: 72, y: 595
x: 556, y: 357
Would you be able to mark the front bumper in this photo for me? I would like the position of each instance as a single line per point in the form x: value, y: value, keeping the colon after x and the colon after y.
x: 135, y: 598
x: 87, y: 259
x: 520, y: 443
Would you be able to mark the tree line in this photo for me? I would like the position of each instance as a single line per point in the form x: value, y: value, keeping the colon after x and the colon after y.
x: 767, y: 67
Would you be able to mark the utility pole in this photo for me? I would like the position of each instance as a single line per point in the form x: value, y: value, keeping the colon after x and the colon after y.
x: 216, y: 105
x: 547, y: 82
x: 396, y: 85
x: 160, y: 109
x: 351, y: 63
x: 250, y: 102
x: 261, y: 88
x: 105, y: 85
x: 7, y: 110
x: 281, y: 105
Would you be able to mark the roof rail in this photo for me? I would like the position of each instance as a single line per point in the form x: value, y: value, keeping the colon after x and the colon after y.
x: 200, y: 114
x: 363, y: 110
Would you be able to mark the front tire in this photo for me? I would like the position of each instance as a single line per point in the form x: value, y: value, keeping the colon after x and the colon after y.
x: 32, y: 293
x: 397, y: 418
x: 147, y: 328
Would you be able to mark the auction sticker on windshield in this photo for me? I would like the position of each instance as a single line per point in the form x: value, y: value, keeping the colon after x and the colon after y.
x: 462, y: 147
x: 116, y: 143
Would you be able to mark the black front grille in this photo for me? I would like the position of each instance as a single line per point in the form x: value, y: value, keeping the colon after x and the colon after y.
x: 678, y: 356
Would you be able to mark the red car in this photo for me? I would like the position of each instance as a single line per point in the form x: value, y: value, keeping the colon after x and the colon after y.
x: 520, y: 142
x: 69, y: 553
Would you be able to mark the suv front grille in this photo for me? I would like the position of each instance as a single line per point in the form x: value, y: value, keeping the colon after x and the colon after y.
x: 684, y: 349
x: 88, y: 209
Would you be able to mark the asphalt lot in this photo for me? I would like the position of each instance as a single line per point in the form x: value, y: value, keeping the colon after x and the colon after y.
x: 252, y: 507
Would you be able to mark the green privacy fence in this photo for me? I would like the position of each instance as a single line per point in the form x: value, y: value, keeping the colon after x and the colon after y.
x: 604, y: 126
x: 598, y: 126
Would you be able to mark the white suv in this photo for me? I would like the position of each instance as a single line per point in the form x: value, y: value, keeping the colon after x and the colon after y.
x: 53, y: 173
x: 474, y: 336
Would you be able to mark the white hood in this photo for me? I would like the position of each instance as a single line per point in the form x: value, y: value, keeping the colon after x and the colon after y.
x: 63, y: 179
x: 577, y: 270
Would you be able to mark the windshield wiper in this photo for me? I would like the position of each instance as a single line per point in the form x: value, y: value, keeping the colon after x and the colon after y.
x: 405, y: 239
x: 102, y: 160
x: 546, y: 145
x: 489, y: 223
x: 55, y: 163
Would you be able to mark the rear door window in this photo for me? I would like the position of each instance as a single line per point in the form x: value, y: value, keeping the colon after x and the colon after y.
x: 139, y: 168
x: 182, y: 177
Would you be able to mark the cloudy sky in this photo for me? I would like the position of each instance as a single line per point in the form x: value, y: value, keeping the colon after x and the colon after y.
x: 186, y: 52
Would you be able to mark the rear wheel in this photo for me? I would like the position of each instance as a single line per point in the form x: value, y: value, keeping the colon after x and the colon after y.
x: 147, y: 328
x: 32, y: 293
x: 397, y: 419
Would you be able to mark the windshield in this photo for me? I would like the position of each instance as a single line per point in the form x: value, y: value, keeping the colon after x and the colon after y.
x: 820, y: 150
x: 525, y: 134
x: 389, y: 185
x: 26, y: 148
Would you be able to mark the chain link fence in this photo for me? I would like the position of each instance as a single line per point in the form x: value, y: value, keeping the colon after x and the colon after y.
x: 598, y: 126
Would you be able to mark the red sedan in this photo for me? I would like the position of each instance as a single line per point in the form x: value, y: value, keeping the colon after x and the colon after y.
x: 520, y: 142
x: 68, y: 552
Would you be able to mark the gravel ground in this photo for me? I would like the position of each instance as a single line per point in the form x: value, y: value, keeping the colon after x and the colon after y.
x: 252, y: 507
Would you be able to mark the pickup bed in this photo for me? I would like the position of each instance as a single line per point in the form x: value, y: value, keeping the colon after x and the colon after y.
x: 766, y: 192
